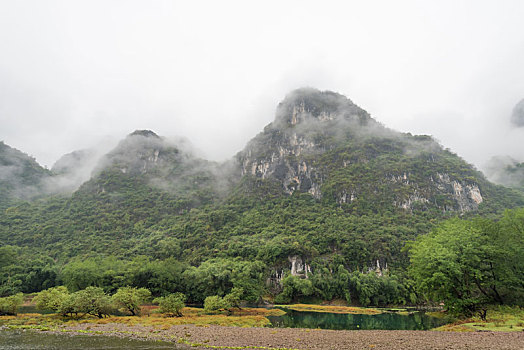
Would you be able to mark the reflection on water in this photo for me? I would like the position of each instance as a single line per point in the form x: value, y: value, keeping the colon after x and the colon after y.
x: 26, y: 340
x: 31, y: 309
x: 300, y: 319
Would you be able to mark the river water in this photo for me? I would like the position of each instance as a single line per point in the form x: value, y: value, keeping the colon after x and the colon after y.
x: 388, y: 320
x: 29, y: 340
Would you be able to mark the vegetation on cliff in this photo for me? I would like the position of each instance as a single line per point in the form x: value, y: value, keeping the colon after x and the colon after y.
x: 324, y: 183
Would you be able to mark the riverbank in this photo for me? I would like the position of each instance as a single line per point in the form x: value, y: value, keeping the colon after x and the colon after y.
x: 350, y: 319
x: 247, y: 329
x: 498, y: 318
x: 224, y: 337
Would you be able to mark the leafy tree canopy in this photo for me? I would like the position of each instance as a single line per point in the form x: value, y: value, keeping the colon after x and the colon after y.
x: 471, y: 263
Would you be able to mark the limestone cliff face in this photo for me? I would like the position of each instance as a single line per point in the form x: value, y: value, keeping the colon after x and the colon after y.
x: 308, y: 123
x: 285, y: 163
x: 139, y: 153
x: 167, y: 165
x: 440, y: 191
x: 466, y: 195
x: 295, y: 266
x: 323, y: 144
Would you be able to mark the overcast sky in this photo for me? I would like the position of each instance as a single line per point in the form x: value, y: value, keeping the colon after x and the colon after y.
x: 78, y: 73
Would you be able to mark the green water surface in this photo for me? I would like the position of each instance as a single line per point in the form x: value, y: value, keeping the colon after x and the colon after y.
x: 388, y: 320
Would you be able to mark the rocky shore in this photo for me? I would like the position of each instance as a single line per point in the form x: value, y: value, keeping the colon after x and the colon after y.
x: 205, y: 337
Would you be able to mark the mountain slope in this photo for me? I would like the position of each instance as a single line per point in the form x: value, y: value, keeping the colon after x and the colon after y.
x: 21, y: 176
x: 142, y: 181
x: 323, y: 186
x: 323, y: 144
x: 145, y: 159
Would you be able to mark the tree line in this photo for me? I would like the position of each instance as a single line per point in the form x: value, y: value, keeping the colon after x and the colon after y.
x: 94, y: 301
x: 467, y: 264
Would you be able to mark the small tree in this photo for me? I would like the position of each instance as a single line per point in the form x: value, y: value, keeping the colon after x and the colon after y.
x: 294, y: 287
x: 52, y: 298
x: 214, y: 303
x: 172, y: 304
x: 67, y: 306
x: 9, y: 305
x: 91, y: 301
x: 232, y: 300
x: 130, y: 299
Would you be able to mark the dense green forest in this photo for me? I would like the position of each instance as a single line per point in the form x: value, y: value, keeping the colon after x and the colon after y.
x: 362, y: 209
x: 467, y: 263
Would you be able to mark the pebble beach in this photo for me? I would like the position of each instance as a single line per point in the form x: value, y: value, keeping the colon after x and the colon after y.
x: 223, y: 337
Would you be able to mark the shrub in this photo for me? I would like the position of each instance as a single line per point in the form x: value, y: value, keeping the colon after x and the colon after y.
x: 9, y: 305
x: 130, y: 299
x: 91, y: 301
x: 233, y: 298
x: 293, y: 288
x: 214, y: 303
x: 52, y: 298
x: 172, y: 304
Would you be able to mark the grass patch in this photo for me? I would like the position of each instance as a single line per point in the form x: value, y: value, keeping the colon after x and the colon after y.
x: 438, y: 314
x: 248, y: 317
x: 31, y: 319
x: 332, y: 309
x: 395, y: 310
x: 499, y: 319
x: 193, y: 311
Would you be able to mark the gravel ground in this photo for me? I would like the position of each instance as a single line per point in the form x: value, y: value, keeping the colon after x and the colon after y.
x: 297, y: 338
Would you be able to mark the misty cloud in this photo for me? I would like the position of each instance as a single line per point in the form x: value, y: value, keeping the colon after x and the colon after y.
x: 170, y: 164
x: 82, y: 72
x: 517, y: 116
x: 20, y: 175
x: 505, y: 171
x: 73, y: 169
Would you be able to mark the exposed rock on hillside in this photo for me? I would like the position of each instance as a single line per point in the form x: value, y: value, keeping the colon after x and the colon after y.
x: 145, y: 160
x: 323, y: 144
x: 139, y: 153
x: 308, y: 123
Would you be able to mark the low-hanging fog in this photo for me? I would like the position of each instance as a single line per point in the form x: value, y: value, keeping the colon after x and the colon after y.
x: 81, y: 74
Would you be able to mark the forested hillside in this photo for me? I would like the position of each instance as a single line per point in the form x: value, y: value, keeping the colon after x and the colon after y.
x: 21, y: 176
x: 320, y: 204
